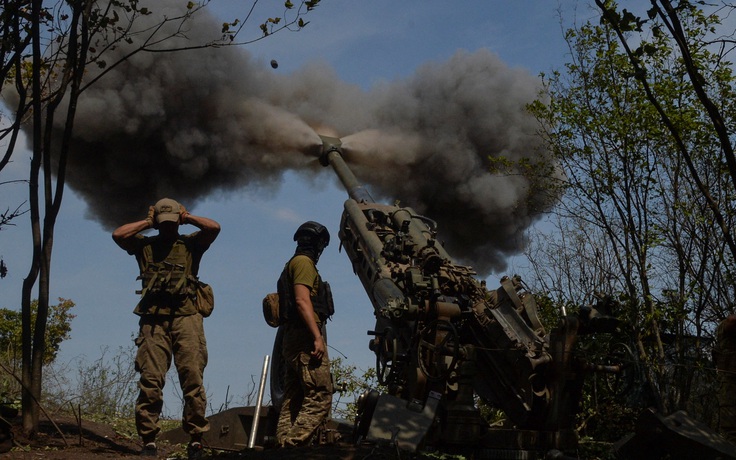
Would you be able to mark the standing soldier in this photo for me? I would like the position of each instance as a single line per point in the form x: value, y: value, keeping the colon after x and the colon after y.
x: 307, y: 383
x: 724, y: 355
x: 170, y: 323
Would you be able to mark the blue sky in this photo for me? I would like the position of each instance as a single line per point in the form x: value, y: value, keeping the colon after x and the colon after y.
x: 365, y: 43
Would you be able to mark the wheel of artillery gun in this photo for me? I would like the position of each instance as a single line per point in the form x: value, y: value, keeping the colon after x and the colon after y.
x: 278, y: 370
x: 438, y: 341
x: 386, y: 355
x: 366, y: 405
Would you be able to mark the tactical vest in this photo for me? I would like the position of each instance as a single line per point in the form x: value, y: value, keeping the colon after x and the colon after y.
x: 285, y: 290
x: 171, y: 277
x: 322, y: 303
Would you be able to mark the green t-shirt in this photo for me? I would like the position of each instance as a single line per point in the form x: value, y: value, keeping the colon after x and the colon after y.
x: 302, y: 270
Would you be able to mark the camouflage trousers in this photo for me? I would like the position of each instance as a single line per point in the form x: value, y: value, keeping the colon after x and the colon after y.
x: 307, y: 389
x: 161, y: 338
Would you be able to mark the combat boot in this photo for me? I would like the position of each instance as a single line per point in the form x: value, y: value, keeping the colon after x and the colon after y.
x: 149, y: 450
x: 195, y: 450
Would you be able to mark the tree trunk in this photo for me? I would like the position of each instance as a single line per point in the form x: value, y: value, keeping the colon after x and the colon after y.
x: 29, y: 402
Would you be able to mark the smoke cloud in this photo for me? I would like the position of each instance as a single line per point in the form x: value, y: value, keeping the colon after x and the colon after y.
x: 188, y: 124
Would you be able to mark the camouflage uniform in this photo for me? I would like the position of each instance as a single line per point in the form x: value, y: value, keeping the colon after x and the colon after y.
x: 170, y: 327
x: 159, y: 339
x: 724, y: 354
x: 308, y: 382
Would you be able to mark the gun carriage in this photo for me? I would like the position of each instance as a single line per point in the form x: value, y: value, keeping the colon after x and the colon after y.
x: 441, y: 336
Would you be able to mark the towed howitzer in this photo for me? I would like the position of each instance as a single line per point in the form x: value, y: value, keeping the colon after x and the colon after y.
x: 441, y: 336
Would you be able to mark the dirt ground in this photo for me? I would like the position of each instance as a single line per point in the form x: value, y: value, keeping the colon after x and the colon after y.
x: 98, y: 441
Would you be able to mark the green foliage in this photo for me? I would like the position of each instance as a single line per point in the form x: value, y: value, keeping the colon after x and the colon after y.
x: 490, y: 415
x: 591, y: 449
x: 605, y: 415
x: 541, y: 174
x: 349, y: 386
x: 274, y: 24
x: 637, y: 148
x: 58, y: 328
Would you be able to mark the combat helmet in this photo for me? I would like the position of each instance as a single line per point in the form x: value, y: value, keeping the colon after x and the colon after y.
x: 312, y: 232
x: 311, y: 238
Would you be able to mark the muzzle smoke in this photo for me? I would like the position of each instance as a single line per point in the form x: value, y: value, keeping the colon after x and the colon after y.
x: 188, y: 124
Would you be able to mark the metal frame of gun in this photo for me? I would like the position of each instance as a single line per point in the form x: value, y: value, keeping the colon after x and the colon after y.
x: 440, y: 331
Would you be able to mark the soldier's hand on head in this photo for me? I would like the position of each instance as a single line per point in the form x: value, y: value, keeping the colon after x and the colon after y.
x: 183, y: 214
x: 151, y: 217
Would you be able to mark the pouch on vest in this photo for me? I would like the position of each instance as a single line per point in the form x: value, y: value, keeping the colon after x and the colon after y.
x: 286, y: 300
x: 169, y: 277
x: 271, y: 308
x: 164, y: 278
x: 205, y: 299
x: 322, y: 302
x: 278, y: 306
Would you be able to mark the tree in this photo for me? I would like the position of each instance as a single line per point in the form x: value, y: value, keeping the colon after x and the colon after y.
x: 6, y: 219
x: 632, y: 217
x: 702, y: 52
x: 48, y: 52
x: 690, y: 28
x: 57, y: 330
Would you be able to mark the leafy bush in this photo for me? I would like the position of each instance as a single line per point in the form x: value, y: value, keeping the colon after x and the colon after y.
x: 58, y: 328
x: 349, y: 386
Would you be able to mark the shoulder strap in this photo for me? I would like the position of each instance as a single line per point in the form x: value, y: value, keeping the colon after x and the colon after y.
x: 285, y: 290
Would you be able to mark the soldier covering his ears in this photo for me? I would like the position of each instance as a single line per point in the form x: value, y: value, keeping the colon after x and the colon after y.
x: 170, y: 323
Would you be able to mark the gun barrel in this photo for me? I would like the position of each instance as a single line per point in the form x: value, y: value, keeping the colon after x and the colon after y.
x: 332, y: 155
